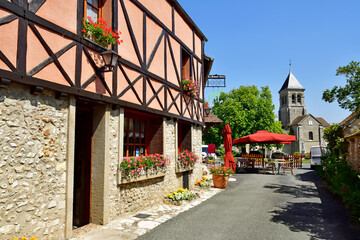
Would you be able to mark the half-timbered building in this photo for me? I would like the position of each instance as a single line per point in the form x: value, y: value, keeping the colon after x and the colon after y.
x: 66, y: 123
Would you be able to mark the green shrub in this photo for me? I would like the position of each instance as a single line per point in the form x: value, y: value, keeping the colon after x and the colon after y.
x: 342, y: 181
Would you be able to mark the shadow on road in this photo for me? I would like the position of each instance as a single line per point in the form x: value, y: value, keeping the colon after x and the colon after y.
x: 301, y: 191
x: 325, y: 220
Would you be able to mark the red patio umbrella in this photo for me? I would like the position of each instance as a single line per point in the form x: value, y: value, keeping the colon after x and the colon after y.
x: 265, y: 137
x: 228, y: 159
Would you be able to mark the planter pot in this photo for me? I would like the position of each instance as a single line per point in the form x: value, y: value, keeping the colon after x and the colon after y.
x: 220, y: 181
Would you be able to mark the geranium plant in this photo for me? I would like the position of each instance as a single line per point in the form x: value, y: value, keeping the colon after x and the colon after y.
x: 190, y: 87
x: 206, y: 104
x: 144, y: 163
x: 187, y: 158
x: 221, y: 170
x: 180, y: 194
x: 100, y: 32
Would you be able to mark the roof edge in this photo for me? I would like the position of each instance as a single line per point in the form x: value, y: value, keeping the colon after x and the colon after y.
x: 187, y: 18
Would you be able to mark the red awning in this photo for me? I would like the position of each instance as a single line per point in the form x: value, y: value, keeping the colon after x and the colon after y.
x: 265, y: 137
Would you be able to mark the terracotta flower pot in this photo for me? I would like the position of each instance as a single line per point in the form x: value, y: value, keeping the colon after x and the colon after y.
x: 220, y: 181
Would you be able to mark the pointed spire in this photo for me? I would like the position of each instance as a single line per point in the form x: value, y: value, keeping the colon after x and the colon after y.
x: 290, y: 65
x: 291, y: 82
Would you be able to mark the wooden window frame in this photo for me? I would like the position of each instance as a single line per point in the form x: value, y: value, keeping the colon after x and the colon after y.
x: 100, y: 8
x: 141, y: 118
x: 184, y: 53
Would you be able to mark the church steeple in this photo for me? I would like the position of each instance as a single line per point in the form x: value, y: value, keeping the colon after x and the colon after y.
x: 291, y: 83
x: 292, y: 100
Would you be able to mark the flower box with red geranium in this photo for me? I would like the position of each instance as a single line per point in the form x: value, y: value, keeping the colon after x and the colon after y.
x: 141, y: 168
x: 190, y: 87
x: 100, y: 32
x: 186, y: 161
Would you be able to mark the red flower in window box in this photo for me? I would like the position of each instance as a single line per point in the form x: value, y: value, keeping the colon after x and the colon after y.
x: 190, y: 87
x: 153, y: 161
x: 100, y: 33
x: 206, y: 104
x: 187, y: 158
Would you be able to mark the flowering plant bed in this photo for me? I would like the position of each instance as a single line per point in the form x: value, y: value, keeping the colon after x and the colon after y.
x: 143, y: 167
x: 99, y: 32
x: 177, y: 197
x: 203, y: 183
x: 190, y: 87
x: 186, y: 161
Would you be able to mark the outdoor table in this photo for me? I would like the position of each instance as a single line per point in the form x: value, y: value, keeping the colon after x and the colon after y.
x: 279, y: 163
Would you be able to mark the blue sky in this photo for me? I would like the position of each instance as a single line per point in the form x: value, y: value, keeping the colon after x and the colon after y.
x: 252, y: 42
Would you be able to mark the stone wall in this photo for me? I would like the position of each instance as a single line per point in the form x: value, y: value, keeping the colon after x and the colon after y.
x: 131, y: 197
x: 33, y: 145
x: 196, y: 141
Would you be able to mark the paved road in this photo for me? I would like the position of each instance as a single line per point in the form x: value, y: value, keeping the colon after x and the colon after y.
x: 259, y: 206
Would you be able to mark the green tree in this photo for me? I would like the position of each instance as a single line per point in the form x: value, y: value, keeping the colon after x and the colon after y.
x: 348, y: 96
x: 247, y: 110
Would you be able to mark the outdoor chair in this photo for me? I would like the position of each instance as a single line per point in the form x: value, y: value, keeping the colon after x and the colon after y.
x: 270, y: 165
x: 288, y: 165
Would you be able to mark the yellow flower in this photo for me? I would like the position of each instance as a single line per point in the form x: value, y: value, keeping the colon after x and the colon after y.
x: 24, y: 238
x: 204, y: 178
x: 33, y: 238
x: 174, y: 193
x: 15, y: 239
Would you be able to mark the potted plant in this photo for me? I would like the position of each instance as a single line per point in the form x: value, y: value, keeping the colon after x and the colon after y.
x: 190, y: 87
x: 99, y: 32
x: 220, y: 176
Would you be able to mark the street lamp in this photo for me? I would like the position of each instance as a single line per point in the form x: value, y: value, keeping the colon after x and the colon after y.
x: 110, y: 58
x: 207, y: 111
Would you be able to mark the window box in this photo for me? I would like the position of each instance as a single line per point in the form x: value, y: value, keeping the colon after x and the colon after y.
x: 146, y: 175
x: 179, y: 168
x: 134, y: 169
x: 186, y: 161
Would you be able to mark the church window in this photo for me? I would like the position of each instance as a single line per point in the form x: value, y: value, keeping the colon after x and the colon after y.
x: 299, y: 98
x: 293, y: 98
x: 311, y: 136
x: 310, y: 123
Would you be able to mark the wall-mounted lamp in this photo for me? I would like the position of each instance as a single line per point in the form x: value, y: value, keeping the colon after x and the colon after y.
x: 207, y: 111
x: 110, y: 58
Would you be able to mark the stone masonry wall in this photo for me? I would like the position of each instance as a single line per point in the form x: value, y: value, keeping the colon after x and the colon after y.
x: 33, y: 145
x: 132, y: 197
x: 196, y: 141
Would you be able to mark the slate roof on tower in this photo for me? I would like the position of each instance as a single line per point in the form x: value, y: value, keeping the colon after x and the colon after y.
x: 291, y: 83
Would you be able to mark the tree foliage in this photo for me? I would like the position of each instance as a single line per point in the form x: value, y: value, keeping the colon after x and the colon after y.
x: 247, y: 110
x: 335, y: 138
x: 348, y: 96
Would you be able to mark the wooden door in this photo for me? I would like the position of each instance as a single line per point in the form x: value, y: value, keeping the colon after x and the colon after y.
x: 82, y: 166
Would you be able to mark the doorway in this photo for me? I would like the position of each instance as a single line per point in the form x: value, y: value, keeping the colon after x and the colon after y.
x: 82, y: 165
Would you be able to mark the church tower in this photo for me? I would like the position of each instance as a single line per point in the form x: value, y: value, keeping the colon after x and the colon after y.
x: 292, y: 100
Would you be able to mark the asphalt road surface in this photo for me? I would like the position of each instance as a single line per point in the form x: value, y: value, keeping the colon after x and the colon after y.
x: 259, y: 206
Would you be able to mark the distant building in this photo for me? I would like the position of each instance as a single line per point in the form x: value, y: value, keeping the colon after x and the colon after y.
x: 293, y: 116
x: 351, y: 130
